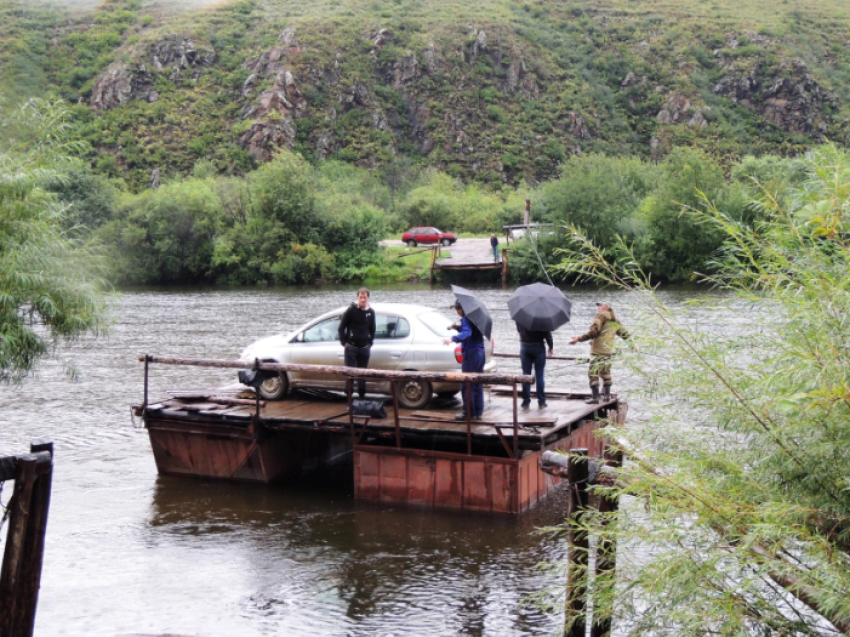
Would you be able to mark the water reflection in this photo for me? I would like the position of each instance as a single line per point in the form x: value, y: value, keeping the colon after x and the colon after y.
x: 330, y: 564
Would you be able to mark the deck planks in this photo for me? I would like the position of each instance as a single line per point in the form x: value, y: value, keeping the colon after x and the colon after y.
x: 564, y: 410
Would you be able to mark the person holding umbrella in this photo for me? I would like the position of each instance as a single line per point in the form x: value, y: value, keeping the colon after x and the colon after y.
x: 475, y: 325
x: 537, y: 310
x: 601, y: 334
x: 532, y: 353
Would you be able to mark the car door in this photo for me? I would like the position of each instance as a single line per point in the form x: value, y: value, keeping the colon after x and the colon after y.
x: 392, y: 341
x: 432, y: 236
x: 318, y: 344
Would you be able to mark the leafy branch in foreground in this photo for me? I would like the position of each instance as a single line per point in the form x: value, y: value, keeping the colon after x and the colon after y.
x: 50, y: 288
x: 738, y: 488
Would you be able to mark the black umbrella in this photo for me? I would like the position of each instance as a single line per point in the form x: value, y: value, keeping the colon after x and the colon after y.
x: 539, y: 307
x: 474, y: 309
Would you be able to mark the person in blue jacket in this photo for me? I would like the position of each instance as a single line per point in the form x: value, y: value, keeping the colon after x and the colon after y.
x: 472, y: 347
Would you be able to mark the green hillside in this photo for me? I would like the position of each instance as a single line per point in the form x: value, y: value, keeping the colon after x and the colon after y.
x: 495, y: 91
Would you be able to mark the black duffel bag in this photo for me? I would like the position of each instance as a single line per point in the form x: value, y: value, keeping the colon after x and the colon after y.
x: 255, y: 377
x: 372, y: 408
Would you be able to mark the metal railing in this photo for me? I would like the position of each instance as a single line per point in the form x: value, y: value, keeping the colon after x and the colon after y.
x: 393, y: 377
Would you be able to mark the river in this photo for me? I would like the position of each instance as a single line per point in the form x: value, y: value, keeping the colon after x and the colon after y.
x: 129, y: 551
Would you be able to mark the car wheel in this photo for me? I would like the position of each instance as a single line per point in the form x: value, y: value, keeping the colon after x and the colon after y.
x: 412, y: 243
x: 446, y: 242
x: 445, y: 395
x: 414, y: 394
x: 275, y: 388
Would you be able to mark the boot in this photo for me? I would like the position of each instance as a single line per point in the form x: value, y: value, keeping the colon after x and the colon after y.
x: 593, y: 400
x: 606, y: 393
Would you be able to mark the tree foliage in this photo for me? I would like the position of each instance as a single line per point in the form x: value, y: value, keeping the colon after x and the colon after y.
x: 735, y: 516
x: 50, y: 289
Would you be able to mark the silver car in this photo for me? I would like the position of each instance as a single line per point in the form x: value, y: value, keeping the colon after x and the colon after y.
x: 407, y: 338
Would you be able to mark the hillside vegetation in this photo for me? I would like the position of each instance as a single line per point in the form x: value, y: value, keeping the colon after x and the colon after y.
x: 269, y: 142
x: 495, y: 91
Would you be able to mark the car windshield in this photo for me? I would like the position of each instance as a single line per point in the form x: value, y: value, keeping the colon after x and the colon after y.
x: 437, y: 323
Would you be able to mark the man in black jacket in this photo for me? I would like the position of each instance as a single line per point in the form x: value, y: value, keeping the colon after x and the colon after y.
x: 532, y: 353
x: 356, y: 333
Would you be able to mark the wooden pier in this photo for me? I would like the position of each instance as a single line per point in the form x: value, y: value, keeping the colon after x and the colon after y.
x: 422, y: 457
x: 469, y: 255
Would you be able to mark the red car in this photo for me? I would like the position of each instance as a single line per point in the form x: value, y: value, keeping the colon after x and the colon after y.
x: 415, y: 236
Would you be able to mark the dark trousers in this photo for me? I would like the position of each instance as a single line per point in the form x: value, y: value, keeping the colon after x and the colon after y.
x: 357, y: 357
x: 473, y: 362
x: 533, y: 354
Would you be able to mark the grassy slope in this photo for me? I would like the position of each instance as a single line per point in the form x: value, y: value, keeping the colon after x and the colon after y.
x: 576, y: 55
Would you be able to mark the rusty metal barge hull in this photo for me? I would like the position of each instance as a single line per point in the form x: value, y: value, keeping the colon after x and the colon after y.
x: 427, y: 460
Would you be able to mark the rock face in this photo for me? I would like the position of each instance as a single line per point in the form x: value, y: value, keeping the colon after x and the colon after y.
x: 180, y: 52
x: 793, y: 101
x: 675, y: 110
x: 275, y: 112
x: 123, y: 82
x: 120, y: 84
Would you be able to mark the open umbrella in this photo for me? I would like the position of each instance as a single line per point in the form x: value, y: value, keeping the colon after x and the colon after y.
x: 474, y: 309
x: 539, y: 307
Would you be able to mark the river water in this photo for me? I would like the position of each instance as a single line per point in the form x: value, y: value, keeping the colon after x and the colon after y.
x: 129, y: 551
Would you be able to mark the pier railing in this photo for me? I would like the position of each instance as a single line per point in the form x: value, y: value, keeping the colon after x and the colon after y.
x: 393, y: 377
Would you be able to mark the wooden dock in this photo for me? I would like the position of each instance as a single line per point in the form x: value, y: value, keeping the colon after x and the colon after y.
x: 469, y: 255
x: 422, y: 456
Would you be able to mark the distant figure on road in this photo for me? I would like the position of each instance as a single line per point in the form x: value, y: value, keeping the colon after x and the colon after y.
x: 356, y: 333
x: 494, y: 243
x: 601, y: 336
x: 532, y: 352
x: 472, y: 348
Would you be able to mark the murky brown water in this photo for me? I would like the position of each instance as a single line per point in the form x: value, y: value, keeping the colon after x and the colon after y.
x: 128, y: 551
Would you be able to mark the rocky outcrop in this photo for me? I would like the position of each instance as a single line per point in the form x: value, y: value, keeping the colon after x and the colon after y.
x: 288, y: 41
x: 405, y: 70
x: 578, y: 127
x: 432, y: 58
x: 380, y: 38
x: 480, y: 44
x: 356, y: 94
x: 120, y: 84
x: 175, y: 51
x: 275, y: 112
x: 675, y: 110
x: 123, y: 82
x: 699, y: 119
x: 791, y: 100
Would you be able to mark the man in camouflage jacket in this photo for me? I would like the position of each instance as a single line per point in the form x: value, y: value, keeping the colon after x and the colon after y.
x: 603, y: 330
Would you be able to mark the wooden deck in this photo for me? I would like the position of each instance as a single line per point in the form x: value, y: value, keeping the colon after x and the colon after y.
x: 470, y: 254
x: 537, y: 427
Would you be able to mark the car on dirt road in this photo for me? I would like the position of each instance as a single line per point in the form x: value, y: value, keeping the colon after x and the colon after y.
x: 407, y: 338
x: 427, y: 236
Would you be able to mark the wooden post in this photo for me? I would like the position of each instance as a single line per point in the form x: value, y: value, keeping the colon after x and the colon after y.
x: 433, y: 261
x: 34, y: 550
x: 504, y: 267
x: 20, y: 578
x: 575, y: 619
x: 606, y: 551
